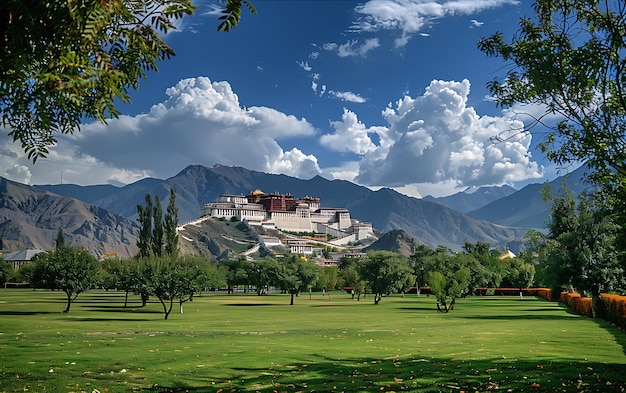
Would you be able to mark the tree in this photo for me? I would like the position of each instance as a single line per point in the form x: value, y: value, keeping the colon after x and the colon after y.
x: 384, y: 272
x: 5, y: 271
x: 170, y: 224
x: 157, y: 235
x: 60, y: 241
x: 486, y: 268
x: 237, y: 272
x: 261, y: 274
x: 62, y: 62
x: 296, y: 274
x: 416, y: 261
x: 448, y: 277
x: 157, y: 227
x: 70, y: 269
x: 571, y: 60
x: 170, y: 278
x: 328, y: 278
x: 144, y: 240
x: 520, y: 274
x: 581, y: 250
x: 349, y: 272
x: 209, y: 275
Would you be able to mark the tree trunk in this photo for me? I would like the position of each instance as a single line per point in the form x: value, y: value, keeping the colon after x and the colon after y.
x: 292, y: 294
x: 167, y: 311
x: 595, y: 302
x: 180, y: 306
x: 126, y: 299
x: 377, y: 297
x: 69, y: 302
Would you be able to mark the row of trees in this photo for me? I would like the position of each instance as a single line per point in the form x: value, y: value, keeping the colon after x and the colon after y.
x: 171, y: 277
x: 448, y: 274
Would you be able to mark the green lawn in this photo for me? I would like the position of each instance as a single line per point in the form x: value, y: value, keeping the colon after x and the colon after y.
x: 245, y: 343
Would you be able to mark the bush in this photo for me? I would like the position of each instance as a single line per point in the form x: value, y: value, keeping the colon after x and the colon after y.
x: 612, y: 308
x: 578, y: 304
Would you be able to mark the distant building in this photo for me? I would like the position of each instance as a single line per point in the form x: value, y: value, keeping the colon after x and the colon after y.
x: 18, y: 258
x: 507, y: 254
x: 286, y: 213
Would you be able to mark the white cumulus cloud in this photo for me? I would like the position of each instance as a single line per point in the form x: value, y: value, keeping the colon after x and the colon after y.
x: 350, y: 135
x: 436, y: 138
x: 202, y: 122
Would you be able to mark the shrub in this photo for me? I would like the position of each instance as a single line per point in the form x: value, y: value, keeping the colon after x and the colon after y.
x: 578, y: 304
x: 613, y: 309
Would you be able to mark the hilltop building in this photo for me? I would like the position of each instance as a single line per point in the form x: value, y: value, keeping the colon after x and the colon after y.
x: 286, y: 213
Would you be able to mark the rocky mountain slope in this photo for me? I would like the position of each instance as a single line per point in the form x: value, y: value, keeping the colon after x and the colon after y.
x: 526, y: 207
x: 397, y: 241
x: 430, y: 223
x: 467, y: 201
x: 31, y: 218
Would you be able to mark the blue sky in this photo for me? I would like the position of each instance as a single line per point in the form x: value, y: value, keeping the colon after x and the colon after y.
x: 384, y: 93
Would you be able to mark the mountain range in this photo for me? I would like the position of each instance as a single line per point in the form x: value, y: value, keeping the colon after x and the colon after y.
x: 102, y: 218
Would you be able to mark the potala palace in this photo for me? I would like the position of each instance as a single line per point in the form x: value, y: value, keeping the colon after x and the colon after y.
x: 286, y: 213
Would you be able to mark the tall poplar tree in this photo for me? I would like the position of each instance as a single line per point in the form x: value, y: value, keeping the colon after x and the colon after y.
x: 145, y: 227
x: 157, y: 227
x: 171, y: 222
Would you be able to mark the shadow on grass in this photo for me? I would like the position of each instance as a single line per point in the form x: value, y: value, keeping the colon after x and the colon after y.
x: 619, y: 335
x: 111, y: 319
x: 425, y: 307
x: 518, y: 317
x: 122, y: 309
x: 27, y: 312
x: 247, y: 304
x: 413, y: 374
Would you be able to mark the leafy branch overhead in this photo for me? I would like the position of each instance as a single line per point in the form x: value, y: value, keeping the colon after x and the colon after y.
x: 66, y: 62
x: 231, y: 15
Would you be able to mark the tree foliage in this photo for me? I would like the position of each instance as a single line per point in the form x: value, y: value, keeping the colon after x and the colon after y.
x: 157, y: 235
x: 296, y: 274
x: 349, y: 273
x: 70, y: 269
x: 5, y: 271
x: 170, y: 224
x: 157, y: 227
x: 571, y: 59
x: 448, y: 278
x: 581, y: 249
x: 385, y: 272
x: 64, y: 62
x: 144, y: 217
x: 260, y: 274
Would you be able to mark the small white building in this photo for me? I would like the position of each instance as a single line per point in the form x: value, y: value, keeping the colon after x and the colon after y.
x: 235, y: 206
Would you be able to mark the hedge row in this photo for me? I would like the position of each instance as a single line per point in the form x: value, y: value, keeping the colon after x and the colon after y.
x: 611, y: 308
x: 578, y: 304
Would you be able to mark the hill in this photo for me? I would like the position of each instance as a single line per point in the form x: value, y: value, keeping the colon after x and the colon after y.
x: 526, y: 207
x: 31, y: 218
x: 430, y: 223
x: 467, y: 201
x: 397, y: 241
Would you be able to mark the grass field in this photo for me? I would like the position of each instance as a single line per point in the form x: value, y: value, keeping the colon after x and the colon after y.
x: 245, y: 343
